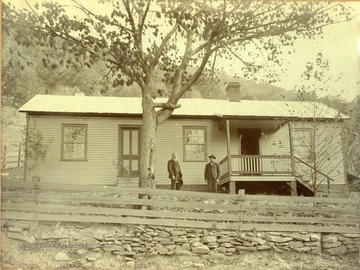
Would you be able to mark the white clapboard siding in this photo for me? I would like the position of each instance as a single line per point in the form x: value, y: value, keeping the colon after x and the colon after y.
x: 275, y: 142
x: 328, y: 149
x: 170, y: 140
x: 102, y: 152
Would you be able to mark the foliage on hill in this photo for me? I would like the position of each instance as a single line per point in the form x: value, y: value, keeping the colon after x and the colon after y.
x: 22, y: 79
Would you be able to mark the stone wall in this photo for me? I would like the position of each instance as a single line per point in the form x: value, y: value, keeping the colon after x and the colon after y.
x: 139, y: 240
x: 337, y: 244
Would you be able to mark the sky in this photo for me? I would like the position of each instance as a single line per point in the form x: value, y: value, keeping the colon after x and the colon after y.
x: 340, y: 44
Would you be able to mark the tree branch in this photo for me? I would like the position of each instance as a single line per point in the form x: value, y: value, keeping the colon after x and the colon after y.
x: 167, y: 106
x: 143, y: 17
x: 61, y: 34
x: 131, y: 18
x: 161, y: 48
x: 295, y: 23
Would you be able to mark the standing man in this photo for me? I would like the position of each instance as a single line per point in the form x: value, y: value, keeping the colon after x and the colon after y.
x: 175, y: 174
x: 212, y: 174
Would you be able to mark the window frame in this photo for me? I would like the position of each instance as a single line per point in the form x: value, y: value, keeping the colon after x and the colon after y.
x: 310, y: 131
x: 63, y: 127
x: 204, y: 128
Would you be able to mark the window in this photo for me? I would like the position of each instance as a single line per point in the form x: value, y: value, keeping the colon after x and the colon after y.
x: 129, y: 151
x: 74, y: 142
x: 195, y: 143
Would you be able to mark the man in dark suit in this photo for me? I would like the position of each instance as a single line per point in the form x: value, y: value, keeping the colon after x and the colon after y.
x: 212, y: 174
x: 174, y: 171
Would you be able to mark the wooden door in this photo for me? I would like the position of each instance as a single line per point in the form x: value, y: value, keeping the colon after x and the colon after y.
x: 129, y: 151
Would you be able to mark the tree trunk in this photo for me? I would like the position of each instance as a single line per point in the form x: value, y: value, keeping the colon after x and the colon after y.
x: 147, y: 140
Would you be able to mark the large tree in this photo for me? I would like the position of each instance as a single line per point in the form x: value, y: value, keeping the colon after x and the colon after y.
x: 181, y: 39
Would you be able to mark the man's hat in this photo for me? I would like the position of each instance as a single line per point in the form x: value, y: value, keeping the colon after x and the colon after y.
x: 212, y: 156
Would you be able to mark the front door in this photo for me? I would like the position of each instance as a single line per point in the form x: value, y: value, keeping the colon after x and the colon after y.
x: 129, y: 151
x: 249, y: 141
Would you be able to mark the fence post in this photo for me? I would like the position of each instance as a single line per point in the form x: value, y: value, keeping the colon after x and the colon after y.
x: 4, y: 157
x: 359, y: 217
x: 328, y: 186
x: 241, y: 192
x: 34, y: 224
x: 19, y: 156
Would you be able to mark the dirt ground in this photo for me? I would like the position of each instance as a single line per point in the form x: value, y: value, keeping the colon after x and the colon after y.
x: 15, y: 256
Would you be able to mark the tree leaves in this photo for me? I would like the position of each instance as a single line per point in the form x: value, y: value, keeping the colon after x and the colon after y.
x: 137, y: 37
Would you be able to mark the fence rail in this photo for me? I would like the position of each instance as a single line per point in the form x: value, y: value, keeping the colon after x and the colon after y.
x: 11, y: 159
x: 105, y: 204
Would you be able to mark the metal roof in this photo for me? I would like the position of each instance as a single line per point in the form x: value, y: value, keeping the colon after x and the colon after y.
x: 189, y: 107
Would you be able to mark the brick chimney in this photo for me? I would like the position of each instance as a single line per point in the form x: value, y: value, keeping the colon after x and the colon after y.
x: 233, y: 91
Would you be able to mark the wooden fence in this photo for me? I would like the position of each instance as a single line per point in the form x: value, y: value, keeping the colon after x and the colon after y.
x: 111, y: 204
x: 11, y: 159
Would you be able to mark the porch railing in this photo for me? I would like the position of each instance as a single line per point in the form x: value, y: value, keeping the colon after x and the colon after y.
x: 308, y: 170
x: 224, y: 168
x: 256, y: 164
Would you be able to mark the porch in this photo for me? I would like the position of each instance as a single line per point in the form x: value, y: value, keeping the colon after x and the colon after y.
x: 256, y: 168
x: 251, y: 164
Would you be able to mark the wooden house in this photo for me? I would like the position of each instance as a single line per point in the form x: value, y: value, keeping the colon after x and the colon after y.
x: 95, y: 141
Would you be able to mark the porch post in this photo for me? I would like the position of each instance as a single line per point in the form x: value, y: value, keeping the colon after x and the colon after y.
x: 292, y: 183
x: 232, y: 185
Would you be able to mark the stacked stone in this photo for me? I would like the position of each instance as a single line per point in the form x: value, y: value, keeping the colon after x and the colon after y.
x: 337, y: 244
x: 169, y: 241
x: 19, y: 230
x: 141, y: 240
x: 299, y: 242
x: 221, y: 242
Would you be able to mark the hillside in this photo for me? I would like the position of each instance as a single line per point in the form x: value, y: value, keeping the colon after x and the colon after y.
x: 252, y: 90
x: 12, y: 127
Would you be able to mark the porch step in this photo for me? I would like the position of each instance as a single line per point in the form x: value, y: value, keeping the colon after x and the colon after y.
x: 303, y: 187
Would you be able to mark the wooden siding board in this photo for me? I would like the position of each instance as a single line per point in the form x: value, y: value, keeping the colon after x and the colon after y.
x: 328, y: 149
x: 275, y: 142
x: 100, y: 168
x: 169, y: 140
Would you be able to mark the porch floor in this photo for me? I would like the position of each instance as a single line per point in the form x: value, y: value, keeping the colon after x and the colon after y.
x: 257, y: 178
x: 294, y: 181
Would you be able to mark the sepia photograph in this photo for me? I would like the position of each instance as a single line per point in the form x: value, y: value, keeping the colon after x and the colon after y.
x: 180, y: 134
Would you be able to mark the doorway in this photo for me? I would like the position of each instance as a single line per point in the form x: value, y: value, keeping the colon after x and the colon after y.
x: 249, y: 141
x: 129, y: 151
x: 249, y: 149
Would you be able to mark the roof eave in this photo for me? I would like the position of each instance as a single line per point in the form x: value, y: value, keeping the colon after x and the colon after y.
x: 139, y: 115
